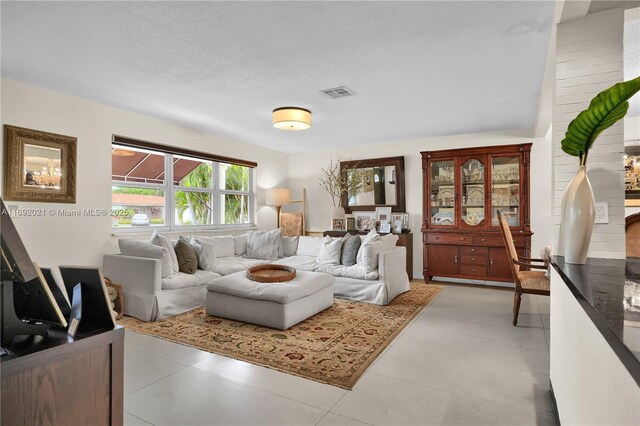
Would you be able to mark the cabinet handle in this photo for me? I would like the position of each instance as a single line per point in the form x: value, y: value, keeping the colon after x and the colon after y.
x: 461, y: 238
x: 473, y: 258
x: 455, y: 259
x: 484, y: 239
x: 473, y: 249
x: 491, y: 262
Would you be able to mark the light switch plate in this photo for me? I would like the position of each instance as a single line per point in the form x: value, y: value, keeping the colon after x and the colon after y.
x: 602, y: 212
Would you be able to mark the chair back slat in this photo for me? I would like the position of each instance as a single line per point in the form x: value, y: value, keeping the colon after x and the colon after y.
x: 510, y: 247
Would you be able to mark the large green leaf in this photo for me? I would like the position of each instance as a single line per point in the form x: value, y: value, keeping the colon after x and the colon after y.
x: 604, y: 111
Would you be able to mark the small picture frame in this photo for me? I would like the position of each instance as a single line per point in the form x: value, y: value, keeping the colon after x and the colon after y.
x: 395, y: 217
x: 397, y: 226
x: 339, y: 224
x: 365, y: 222
x: 385, y: 228
x: 383, y: 214
x: 351, y: 224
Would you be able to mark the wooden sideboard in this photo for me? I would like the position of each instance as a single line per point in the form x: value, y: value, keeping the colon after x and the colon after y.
x: 463, y: 189
x: 405, y: 239
x: 59, y: 380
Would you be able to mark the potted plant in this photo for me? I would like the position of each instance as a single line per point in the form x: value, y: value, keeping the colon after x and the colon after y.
x: 578, y: 204
x: 338, y: 183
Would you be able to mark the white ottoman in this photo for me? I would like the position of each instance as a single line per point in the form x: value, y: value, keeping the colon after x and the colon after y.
x: 275, y: 305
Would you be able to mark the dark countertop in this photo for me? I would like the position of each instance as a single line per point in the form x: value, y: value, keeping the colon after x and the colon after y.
x: 609, y: 292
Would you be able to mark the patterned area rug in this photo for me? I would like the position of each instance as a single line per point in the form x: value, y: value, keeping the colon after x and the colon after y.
x: 335, y: 346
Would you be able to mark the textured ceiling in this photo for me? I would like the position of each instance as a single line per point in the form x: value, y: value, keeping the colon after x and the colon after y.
x: 419, y: 68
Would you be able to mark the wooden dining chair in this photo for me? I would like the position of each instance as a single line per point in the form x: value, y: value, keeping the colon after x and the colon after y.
x: 531, y: 282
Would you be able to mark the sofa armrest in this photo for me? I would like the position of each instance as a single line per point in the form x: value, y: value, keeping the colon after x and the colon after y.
x: 392, y: 268
x: 141, y: 280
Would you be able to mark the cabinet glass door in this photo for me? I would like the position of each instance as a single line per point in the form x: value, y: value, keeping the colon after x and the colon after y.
x: 473, y: 192
x: 505, y: 189
x: 443, y: 193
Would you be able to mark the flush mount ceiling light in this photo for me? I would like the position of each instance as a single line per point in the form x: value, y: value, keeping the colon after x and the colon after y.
x: 291, y: 118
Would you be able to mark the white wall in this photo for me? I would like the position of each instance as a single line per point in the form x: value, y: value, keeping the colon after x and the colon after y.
x: 83, y: 240
x: 304, y: 171
x: 589, y: 60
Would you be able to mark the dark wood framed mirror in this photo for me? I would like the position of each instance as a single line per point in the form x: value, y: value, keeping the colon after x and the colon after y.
x: 384, y: 185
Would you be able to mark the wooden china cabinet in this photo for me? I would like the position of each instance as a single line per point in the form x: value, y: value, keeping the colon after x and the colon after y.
x: 463, y: 189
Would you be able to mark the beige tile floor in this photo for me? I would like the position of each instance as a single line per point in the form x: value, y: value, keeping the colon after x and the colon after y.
x: 459, y: 362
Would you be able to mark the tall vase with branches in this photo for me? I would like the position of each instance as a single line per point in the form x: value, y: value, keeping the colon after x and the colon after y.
x: 578, y: 203
x: 341, y: 184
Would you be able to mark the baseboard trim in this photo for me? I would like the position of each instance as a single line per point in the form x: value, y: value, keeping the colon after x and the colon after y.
x: 554, y: 403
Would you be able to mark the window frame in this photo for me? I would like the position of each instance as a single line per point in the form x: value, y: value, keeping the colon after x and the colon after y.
x: 170, y: 189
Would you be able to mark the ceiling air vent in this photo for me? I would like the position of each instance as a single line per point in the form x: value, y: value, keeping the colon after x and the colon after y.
x: 338, y: 92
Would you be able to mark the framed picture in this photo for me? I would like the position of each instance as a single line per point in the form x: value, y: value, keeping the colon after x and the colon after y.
x: 397, y: 226
x: 339, y: 224
x: 383, y: 214
x: 351, y: 224
x: 396, y: 217
x: 385, y: 228
x: 365, y: 221
x: 39, y: 166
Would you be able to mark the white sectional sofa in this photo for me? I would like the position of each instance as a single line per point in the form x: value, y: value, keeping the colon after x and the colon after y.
x: 151, y: 294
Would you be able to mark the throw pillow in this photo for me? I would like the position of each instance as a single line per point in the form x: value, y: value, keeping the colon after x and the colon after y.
x: 150, y: 251
x: 163, y: 241
x: 225, y: 246
x: 240, y: 244
x: 289, y: 246
x: 187, y: 257
x: 372, y: 250
x: 330, y: 251
x: 369, y: 238
x: 205, y: 250
x: 350, y: 249
x: 264, y: 245
x: 309, y: 246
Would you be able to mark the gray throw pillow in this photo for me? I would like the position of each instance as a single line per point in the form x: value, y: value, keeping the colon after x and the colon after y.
x: 187, y: 257
x: 289, y: 246
x: 350, y: 249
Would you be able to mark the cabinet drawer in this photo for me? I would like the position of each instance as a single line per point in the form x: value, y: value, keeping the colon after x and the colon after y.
x: 448, y: 239
x: 496, y: 240
x: 473, y: 270
x: 474, y: 251
x: 473, y: 260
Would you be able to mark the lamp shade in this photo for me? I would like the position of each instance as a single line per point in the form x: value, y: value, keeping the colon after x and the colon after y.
x: 291, y: 118
x: 278, y: 196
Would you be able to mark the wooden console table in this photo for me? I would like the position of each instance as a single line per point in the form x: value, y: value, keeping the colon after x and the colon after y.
x: 60, y: 380
x: 405, y: 239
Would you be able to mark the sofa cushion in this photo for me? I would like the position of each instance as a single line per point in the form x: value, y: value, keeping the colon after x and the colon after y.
x: 350, y: 249
x: 206, y: 277
x: 289, y: 246
x: 232, y: 264
x: 303, y: 285
x: 309, y: 246
x: 240, y: 244
x: 264, y: 245
x: 148, y: 250
x: 187, y: 257
x: 180, y: 280
x: 162, y: 240
x: 330, y: 251
x: 354, y: 271
x: 300, y: 263
x: 206, y: 252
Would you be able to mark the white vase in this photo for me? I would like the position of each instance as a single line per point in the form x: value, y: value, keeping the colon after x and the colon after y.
x: 337, y: 213
x: 578, y: 217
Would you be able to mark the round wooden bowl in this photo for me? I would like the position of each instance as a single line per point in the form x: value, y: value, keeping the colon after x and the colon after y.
x: 271, y: 273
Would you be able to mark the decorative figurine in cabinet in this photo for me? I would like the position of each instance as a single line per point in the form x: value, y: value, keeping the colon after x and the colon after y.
x: 463, y: 189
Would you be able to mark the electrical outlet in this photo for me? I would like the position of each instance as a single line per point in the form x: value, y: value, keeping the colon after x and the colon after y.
x: 602, y: 212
